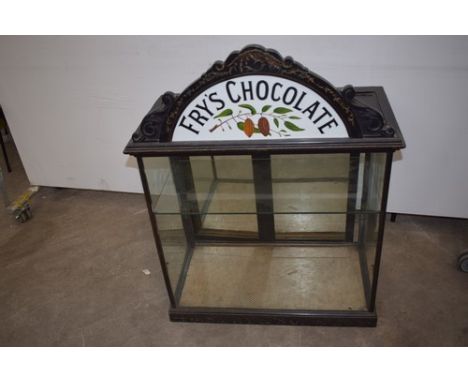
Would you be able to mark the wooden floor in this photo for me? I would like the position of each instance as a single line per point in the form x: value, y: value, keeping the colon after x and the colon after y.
x: 321, y: 278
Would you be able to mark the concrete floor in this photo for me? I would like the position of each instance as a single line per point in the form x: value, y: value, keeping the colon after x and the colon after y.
x: 72, y: 276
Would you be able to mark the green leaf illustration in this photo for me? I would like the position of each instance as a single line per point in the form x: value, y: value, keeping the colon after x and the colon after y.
x: 224, y: 113
x: 281, y: 110
x: 291, y: 126
x: 265, y: 108
x: 294, y: 117
x: 276, y: 122
x: 240, y: 125
x: 250, y: 107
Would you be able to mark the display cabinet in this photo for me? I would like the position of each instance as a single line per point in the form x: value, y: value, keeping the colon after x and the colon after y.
x: 266, y: 189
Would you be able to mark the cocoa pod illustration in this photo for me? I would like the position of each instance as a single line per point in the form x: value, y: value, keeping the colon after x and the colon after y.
x: 264, y: 126
x: 248, y: 127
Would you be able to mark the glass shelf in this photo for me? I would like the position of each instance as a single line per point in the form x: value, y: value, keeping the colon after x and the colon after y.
x: 225, y: 186
x: 288, y: 197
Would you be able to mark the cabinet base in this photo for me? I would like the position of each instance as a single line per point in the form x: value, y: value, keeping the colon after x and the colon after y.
x: 253, y: 316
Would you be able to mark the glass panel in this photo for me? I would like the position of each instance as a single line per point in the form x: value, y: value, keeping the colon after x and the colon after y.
x: 224, y: 185
x: 174, y: 243
x: 203, y: 201
x: 309, y: 183
x: 234, y: 167
x: 310, y: 166
x: 158, y: 174
x: 170, y: 229
x: 372, y: 197
x: 310, y: 226
x: 203, y: 177
x: 376, y: 164
x: 319, y: 183
x: 161, y: 185
x: 368, y: 244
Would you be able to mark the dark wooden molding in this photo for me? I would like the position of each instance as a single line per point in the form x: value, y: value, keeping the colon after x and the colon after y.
x: 151, y: 128
x: 374, y: 96
x: 255, y: 59
x: 273, y: 317
x: 159, y: 124
x: 374, y: 124
x: 370, y: 121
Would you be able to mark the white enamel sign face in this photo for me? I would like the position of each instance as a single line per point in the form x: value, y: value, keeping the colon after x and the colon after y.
x: 258, y: 107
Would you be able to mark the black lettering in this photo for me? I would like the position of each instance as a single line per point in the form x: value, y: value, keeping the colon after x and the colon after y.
x: 216, y: 100
x: 328, y: 124
x: 204, y: 107
x: 265, y: 90
x: 298, y: 103
x: 285, y: 95
x: 229, y: 92
x: 273, y: 90
x: 247, y: 90
x: 311, y: 109
x: 188, y: 127
x: 197, y: 117
x: 325, y: 113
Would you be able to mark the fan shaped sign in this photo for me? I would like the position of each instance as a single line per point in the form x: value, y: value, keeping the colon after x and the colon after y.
x: 255, y: 107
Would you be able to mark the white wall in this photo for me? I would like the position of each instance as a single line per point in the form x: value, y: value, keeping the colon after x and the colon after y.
x: 73, y: 102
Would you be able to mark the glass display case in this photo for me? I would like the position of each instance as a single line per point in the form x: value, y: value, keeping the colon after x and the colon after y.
x: 266, y: 189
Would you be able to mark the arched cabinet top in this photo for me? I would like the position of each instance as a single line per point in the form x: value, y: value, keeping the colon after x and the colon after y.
x: 258, y: 100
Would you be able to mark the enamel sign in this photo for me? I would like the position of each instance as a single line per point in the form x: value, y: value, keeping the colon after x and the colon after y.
x: 258, y: 107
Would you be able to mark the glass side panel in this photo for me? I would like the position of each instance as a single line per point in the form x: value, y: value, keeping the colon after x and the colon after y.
x: 161, y: 185
x: 376, y: 172
x: 170, y: 228
x: 369, y: 225
x: 374, y: 188
x: 158, y: 173
x: 211, y: 229
x: 174, y: 243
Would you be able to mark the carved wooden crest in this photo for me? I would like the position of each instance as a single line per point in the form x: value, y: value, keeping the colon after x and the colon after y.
x: 257, y: 94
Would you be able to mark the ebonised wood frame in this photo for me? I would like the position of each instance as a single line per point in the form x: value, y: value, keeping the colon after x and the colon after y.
x: 290, y: 146
x: 279, y: 316
x: 2, y: 143
x: 372, y: 128
x: 274, y: 317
